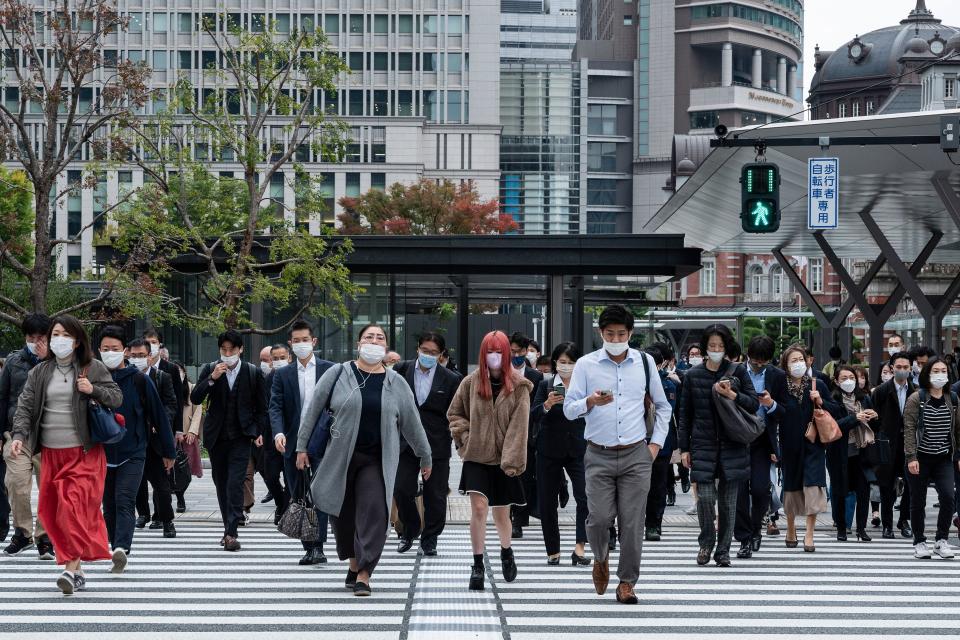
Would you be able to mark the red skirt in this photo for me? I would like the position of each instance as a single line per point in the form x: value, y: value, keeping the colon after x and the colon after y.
x: 71, y: 492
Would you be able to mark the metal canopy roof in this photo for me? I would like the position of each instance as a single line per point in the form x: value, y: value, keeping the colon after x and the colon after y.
x: 907, y: 208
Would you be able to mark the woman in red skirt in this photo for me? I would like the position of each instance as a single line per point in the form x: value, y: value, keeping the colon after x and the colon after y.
x: 52, y: 418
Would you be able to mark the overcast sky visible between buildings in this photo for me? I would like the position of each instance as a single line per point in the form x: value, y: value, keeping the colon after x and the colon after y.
x: 833, y: 23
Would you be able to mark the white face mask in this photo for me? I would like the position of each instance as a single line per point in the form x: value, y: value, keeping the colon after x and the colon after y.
x: 266, y: 367
x: 798, y: 369
x: 916, y: 369
x: 302, y: 350
x: 848, y: 386
x: 695, y: 361
x: 230, y: 360
x: 565, y: 370
x: 32, y: 347
x: 112, y: 359
x: 62, y: 346
x: 154, y: 349
x: 532, y: 358
x: 938, y: 380
x: 139, y: 363
x: 892, y: 349
x: 715, y: 356
x: 390, y: 366
x: 494, y: 361
x: 279, y: 364
x: 616, y: 348
x: 886, y: 377
x: 372, y: 353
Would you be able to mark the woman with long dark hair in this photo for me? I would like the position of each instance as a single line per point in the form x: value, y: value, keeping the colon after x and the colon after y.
x: 847, y: 465
x: 489, y: 420
x: 52, y: 417
x: 560, y: 447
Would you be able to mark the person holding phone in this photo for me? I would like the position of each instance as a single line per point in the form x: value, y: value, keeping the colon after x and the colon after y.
x: 560, y: 447
x: 718, y: 464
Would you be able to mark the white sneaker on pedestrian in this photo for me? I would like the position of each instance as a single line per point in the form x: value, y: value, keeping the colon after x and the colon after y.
x: 692, y: 511
x: 920, y: 550
x: 942, y: 549
x: 119, y: 560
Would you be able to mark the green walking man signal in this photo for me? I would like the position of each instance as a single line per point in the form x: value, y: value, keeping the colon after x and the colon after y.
x: 760, y: 198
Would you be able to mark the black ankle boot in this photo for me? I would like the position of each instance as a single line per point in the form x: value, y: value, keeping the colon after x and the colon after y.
x: 509, y: 565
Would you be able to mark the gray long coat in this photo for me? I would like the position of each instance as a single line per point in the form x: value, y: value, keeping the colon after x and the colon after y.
x: 398, y: 413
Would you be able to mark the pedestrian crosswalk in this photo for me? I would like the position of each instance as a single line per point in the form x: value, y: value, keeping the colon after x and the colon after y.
x: 188, y: 587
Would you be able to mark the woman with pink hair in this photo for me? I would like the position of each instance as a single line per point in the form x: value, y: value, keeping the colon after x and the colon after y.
x: 488, y: 420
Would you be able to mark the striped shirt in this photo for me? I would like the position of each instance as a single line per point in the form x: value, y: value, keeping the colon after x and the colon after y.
x: 936, y: 428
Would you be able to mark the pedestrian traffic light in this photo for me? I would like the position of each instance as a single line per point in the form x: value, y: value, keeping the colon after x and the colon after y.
x: 760, y: 198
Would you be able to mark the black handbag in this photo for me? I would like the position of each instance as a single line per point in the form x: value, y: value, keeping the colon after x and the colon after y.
x: 739, y: 424
x: 879, y: 453
x: 320, y: 436
x: 300, y: 521
x: 180, y: 474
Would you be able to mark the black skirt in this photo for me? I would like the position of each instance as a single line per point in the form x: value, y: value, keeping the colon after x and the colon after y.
x: 490, y: 481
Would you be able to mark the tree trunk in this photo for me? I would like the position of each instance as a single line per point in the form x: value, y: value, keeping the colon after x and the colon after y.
x: 40, y: 278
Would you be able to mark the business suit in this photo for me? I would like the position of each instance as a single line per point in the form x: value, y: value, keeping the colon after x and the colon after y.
x: 236, y: 415
x: 268, y: 462
x: 285, y: 409
x: 753, y: 498
x: 887, y: 405
x: 521, y: 514
x: 154, y: 473
x: 433, y: 416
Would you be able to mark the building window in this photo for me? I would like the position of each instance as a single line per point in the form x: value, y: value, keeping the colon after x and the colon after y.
x: 378, y: 144
x: 756, y: 283
x: 602, y: 119
x: 327, y: 193
x: 779, y: 284
x: 378, y: 181
x: 331, y: 23
x: 454, y: 112
x: 708, y: 278
x: 355, y: 60
x: 627, y: 21
x: 856, y: 108
x: 815, y: 275
x: 602, y: 192
x: 749, y: 118
x: 602, y: 156
x: 380, y: 61
x: 380, y: 106
x: 869, y: 107
x: 405, y: 61
x: 356, y: 102
x: 73, y: 265
x: 430, y: 24
x: 601, y: 222
x: 704, y: 119
x: 404, y: 102
x: 948, y: 88
x: 353, y: 185
x: 405, y: 24
x: 356, y: 23
x: 842, y: 110
x: 430, y: 111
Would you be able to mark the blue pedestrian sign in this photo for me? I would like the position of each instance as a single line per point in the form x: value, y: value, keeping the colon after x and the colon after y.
x: 823, y: 193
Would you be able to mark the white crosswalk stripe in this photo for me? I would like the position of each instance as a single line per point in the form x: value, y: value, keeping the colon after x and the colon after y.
x: 189, y: 587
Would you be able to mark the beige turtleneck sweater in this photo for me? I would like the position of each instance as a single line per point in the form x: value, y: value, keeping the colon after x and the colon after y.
x: 57, y: 430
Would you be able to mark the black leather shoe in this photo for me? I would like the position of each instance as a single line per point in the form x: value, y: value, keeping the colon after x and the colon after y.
x: 746, y: 550
x: 887, y: 533
x: 156, y: 524
x: 517, y: 533
x: 313, y: 556
x: 906, y: 531
x: 671, y: 499
x: 267, y: 498
x: 169, y: 531
x: 553, y: 562
x: 652, y: 534
x: 862, y: 535
x: 404, y: 545
x: 429, y: 547
x: 141, y: 522
x: 685, y: 485
x: 181, y: 505
x: 578, y: 561
x: 704, y: 556
x: 722, y: 559
x: 351, y: 580
x: 508, y: 564
x: 841, y: 536
x: 476, y: 578
x: 755, y: 543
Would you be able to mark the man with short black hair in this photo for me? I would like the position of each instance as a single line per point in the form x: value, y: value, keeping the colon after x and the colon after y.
x: 291, y: 391
x: 921, y: 355
x: 236, y: 416
x: 17, y: 472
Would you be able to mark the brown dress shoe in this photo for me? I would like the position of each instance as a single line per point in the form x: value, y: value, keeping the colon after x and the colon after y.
x: 601, y: 576
x: 230, y: 543
x: 625, y: 594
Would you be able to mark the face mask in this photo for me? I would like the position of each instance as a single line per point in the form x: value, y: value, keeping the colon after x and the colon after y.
x: 916, y: 369
x: 139, y: 363
x: 518, y: 362
x: 532, y: 359
x: 389, y: 366
x: 427, y: 362
x: 715, y: 356
x: 548, y: 377
x: 266, y: 367
x: 798, y: 369
x: 154, y: 349
x: 565, y: 370
x: 279, y: 364
x: 302, y: 350
x: 938, y: 380
x: 848, y: 386
x: 494, y: 361
x: 695, y: 361
x: 112, y: 359
x: 892, y: 349
x: 229, y: 360
x: 900, y: 375
x: 32, y: 347
x: 616, y: 348
x: 671, y: 370
x: 372, y: 353
x: 886, y: 376
x: 62, y: 346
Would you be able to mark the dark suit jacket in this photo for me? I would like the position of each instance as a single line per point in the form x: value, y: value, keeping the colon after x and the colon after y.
x: 171, y: 369
x: 536, y: 378
x: 556, y: 437
x: 168, y: 395
x: 887, y: 406
x: 775, y: 383
x: 285, y: 405
x: 433, y: 412
x: 252, y: 395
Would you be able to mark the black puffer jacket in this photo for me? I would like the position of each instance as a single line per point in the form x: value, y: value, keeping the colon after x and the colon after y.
x: 699, y: 432
x: 12, y: 379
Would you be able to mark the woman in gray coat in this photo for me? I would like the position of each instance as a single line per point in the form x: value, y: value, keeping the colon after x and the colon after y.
x: 353, y: 482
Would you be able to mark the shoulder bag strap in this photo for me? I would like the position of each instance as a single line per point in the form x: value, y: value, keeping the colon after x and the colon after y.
x: 334, y: 386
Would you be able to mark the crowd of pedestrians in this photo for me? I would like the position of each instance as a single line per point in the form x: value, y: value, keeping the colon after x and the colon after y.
x: 104, y: 420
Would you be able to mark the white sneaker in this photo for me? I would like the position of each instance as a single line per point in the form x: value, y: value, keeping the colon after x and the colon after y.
x: 119, y: 560
x: 942, y: 549
x: 692, y: 511
x: 920, y: 550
